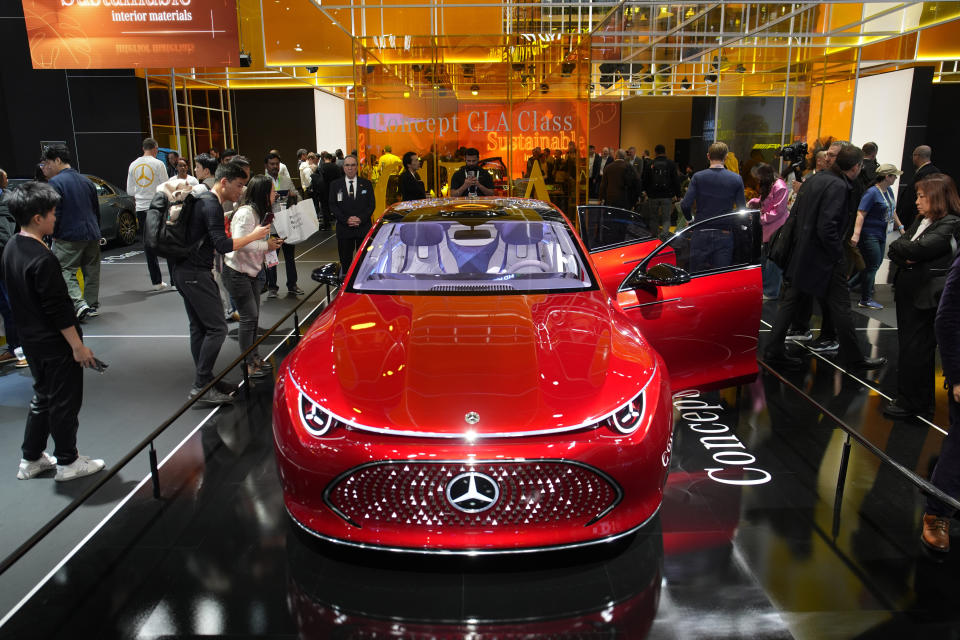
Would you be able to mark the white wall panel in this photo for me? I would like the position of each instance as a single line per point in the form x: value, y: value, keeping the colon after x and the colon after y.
x: 331, y: 113
x: 880, y: 115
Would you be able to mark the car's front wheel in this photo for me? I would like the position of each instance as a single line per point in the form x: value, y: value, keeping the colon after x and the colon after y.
x: 126, y: 228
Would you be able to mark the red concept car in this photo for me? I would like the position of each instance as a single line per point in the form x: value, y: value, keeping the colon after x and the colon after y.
x: 489, y: 380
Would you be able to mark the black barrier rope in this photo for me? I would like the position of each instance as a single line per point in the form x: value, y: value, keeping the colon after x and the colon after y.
x: 22, y: 550
x: 913, y: 478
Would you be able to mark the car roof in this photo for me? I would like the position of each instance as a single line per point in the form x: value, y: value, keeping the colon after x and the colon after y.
x: 453, y: 209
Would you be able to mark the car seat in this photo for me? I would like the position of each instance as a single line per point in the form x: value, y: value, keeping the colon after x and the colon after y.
x: 422, y: 241
x: 521, y: 242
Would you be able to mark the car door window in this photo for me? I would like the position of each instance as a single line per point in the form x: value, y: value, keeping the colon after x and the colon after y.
x: 730, y: 241
x: 102, y: 189
x: 604, y: 227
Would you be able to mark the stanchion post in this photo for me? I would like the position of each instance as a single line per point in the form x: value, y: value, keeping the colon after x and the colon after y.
x: 296, y: 326
x: 246, y: 379
x: 154, y: 471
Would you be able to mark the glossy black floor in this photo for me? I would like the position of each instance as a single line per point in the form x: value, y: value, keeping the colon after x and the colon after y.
x: 761, y: 549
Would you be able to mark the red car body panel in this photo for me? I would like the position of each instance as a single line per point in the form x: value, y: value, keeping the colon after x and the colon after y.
x: 423, y: 390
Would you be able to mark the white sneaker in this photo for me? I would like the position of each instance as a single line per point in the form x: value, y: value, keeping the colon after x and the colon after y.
x: 32, y: 469
x: 163, y: 286
x: 82, y: 466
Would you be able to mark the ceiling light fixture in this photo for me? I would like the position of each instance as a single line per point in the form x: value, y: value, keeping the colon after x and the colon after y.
x: 664, y: 13
x: 406, y: 94
x: 474, y: 90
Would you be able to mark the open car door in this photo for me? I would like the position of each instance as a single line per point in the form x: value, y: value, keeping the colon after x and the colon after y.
x: 617, y: 240
x: 697, y: 299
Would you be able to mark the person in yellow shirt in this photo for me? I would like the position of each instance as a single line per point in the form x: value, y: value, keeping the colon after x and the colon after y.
x: 389, y: 163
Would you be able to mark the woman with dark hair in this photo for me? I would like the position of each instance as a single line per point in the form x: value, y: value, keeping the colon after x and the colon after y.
x: 921, y: 258
x: 411, y: 186
x: 773, y: 213
x: 242, y: 268
x: 877, y: 208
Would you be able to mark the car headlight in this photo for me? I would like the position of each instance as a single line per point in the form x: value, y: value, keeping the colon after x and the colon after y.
x: 314, y: 418
x: 628, y: 418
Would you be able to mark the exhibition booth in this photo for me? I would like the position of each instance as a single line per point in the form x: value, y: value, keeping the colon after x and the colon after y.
x: 499, y: 421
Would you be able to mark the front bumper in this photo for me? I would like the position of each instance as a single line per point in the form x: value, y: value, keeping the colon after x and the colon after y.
x: 391, y: 492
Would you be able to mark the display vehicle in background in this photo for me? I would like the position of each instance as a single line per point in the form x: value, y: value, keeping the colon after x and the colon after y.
x: 489, y: 380
x: 118, y: 218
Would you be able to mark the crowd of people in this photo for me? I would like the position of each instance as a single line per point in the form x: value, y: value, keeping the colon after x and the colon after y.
x: 833, y: 217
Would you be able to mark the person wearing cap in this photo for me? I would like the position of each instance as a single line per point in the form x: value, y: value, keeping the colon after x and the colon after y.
x: 878, y: 207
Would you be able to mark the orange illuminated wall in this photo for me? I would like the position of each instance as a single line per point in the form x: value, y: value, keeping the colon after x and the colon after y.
x: 75, y: 34
x: 831, y: 111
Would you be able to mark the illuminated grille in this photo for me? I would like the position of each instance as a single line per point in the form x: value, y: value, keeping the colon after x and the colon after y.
x: 530, y: 493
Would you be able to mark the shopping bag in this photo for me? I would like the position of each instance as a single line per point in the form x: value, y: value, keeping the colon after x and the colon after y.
x: 297, y: 223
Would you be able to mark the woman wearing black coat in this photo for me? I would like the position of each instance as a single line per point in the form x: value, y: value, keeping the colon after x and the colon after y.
x: 411, y: 186
x: 922, y: 257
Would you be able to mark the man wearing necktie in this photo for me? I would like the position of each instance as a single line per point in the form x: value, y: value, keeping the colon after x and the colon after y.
x: 352, y: 202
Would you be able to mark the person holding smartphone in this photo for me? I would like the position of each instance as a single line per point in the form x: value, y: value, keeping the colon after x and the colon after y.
x: 243, y: 266
x: 470, y: 179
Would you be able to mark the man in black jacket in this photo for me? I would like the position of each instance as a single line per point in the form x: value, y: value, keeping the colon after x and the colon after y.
x: 352, y: 203
x: 51, y: 338
x: 946, y: 475
x: 907, y: 200
x: 662, y: 183
x: 193, y: 276
x: 817, y: 267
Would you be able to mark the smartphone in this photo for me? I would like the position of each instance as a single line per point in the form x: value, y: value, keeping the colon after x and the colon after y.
x: 267, y: 219
x: 99, y: 365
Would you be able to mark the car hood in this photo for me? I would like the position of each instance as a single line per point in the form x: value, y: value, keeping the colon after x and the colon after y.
x: 420, y: 364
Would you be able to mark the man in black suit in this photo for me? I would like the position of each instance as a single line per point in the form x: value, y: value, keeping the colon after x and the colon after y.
x: 907, y: 202
x: 593, y: 170
x: 352, y: 203
x: 817, y: 267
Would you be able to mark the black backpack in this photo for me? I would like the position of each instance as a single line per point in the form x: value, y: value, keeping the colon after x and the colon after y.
x: 166, y: 230
x: 660, y: 177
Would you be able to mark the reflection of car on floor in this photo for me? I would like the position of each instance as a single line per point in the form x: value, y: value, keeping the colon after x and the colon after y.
x: 118, y: 220
x: 487, y: 382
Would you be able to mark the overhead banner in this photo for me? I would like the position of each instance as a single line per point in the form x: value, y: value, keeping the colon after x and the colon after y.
x: 121, y: 34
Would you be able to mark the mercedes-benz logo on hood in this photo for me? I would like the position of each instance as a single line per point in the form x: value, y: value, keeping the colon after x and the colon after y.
x: 473, y: 492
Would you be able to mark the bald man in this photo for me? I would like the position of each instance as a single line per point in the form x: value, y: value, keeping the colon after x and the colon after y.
x: 907, y: 201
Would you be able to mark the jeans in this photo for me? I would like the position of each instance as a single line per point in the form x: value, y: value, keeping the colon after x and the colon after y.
x: 871, y: 248
x: 710, y: 249
x: 85, y: 255
x: 208, y: 329
x: 772, y: 275
x: 245, y: 291
x: 289, y: 255
x: 57, y: 396
x: 658, y: 215
x: 153, y: 265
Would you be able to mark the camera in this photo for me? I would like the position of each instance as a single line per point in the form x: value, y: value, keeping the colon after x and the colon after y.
x: 793, y: 153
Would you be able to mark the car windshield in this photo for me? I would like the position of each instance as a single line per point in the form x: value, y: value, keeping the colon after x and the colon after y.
x: 472, y: 256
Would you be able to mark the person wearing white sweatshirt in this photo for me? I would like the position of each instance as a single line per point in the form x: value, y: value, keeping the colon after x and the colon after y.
x: 145, y: 174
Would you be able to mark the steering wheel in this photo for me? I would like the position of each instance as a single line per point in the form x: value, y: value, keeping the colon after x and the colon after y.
x: 543, y: 266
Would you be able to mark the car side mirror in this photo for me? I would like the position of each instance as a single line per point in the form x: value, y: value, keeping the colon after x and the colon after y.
x: 328, y: 274
x: 663, y: 274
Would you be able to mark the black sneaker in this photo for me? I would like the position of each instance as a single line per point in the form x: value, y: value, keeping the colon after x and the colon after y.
x: 800, y: 336
x: 295, y: 291
x: 226, y: 387
x: 83, y: 313
x: 822, y: 346
x: 211, y: 398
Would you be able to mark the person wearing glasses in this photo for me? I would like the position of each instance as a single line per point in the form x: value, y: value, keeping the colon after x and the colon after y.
x: 411, y: 186
x: 907, y: 200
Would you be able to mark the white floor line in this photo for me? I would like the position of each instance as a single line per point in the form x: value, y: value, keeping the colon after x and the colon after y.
x: 863, y: 382
x: 130, y: 495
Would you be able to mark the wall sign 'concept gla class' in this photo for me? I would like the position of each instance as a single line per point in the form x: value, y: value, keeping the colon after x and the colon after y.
x: 489, y: 379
